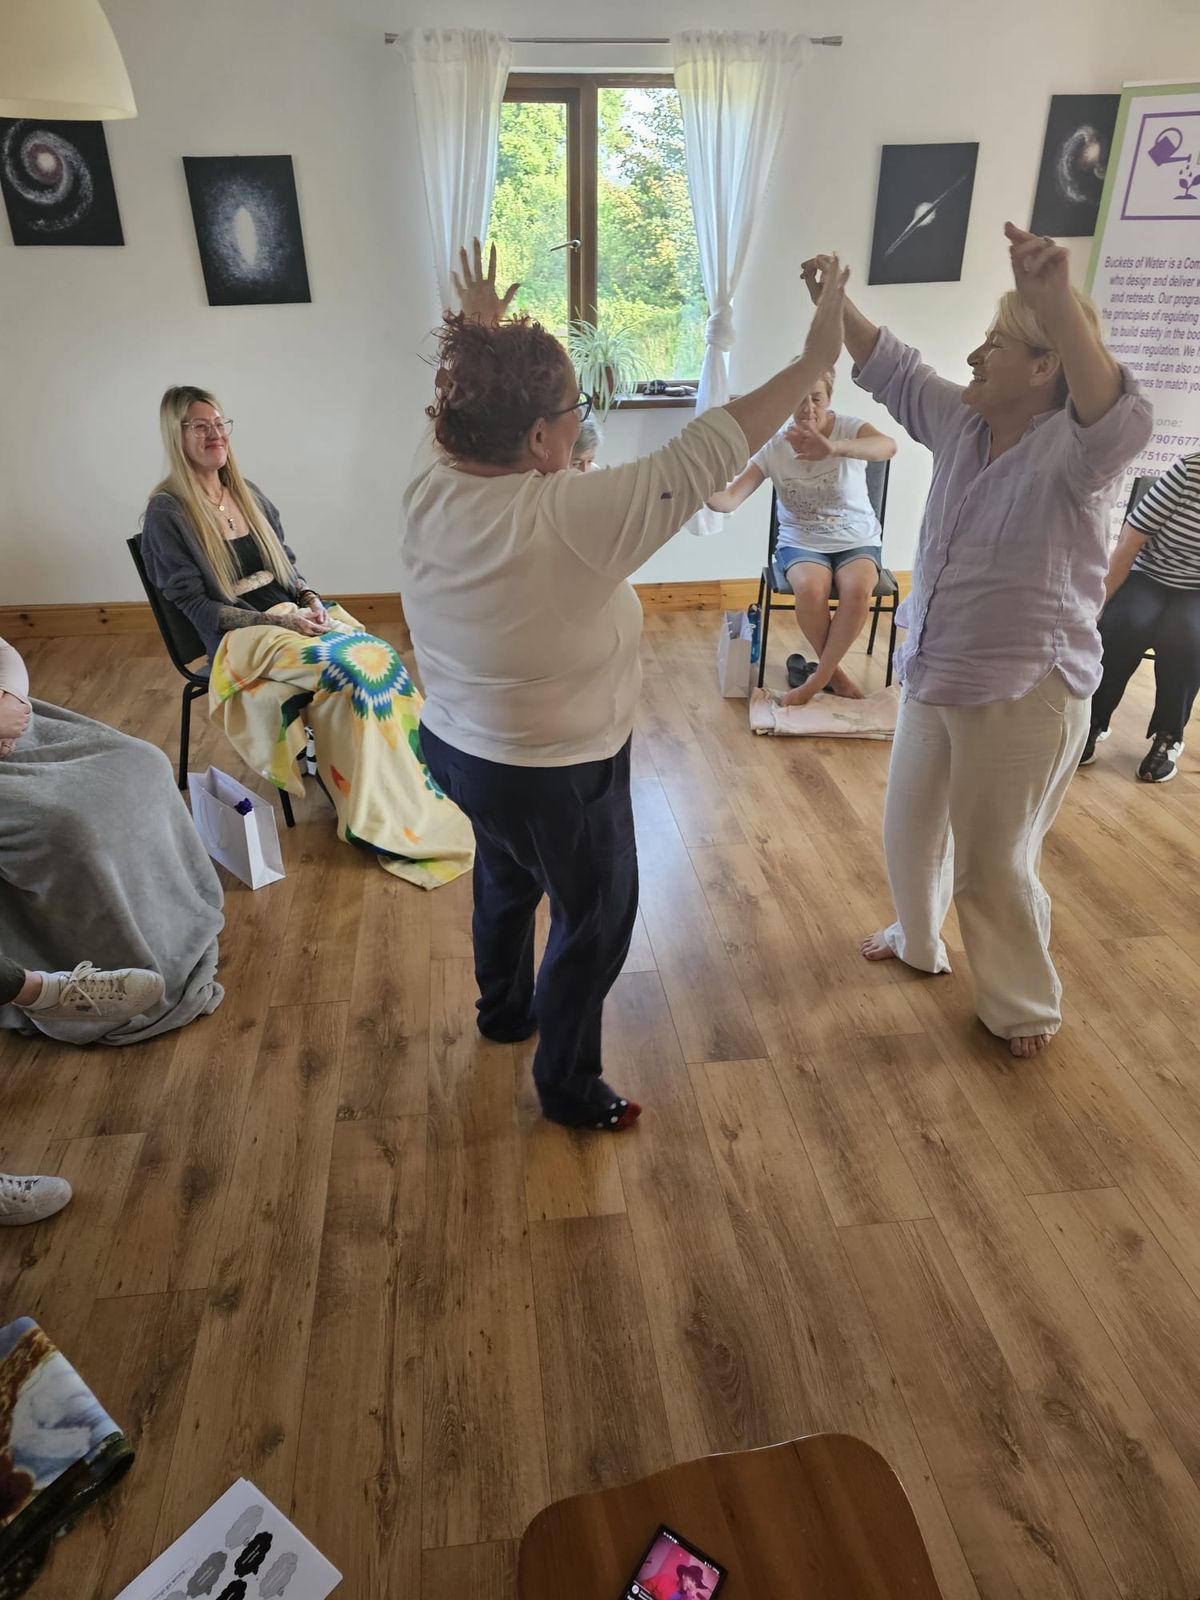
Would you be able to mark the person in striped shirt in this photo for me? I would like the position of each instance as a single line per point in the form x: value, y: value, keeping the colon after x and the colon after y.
x: 1153, y: 602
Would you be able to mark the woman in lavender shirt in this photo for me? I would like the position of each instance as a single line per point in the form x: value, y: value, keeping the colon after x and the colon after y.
x: 1002, y: 654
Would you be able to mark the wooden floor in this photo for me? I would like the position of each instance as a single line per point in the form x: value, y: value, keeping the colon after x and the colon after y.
x: 322, y: 1238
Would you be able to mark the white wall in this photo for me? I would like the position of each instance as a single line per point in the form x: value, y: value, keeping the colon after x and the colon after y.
x: 327, y: 397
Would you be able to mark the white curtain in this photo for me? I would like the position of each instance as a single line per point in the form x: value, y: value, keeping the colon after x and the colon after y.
x: 458, y: 77
x: 734, y: 89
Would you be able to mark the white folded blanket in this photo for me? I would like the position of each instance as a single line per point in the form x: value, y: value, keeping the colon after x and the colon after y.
x: 826, y: 716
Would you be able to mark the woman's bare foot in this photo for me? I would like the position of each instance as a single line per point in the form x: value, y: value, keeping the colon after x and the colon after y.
x: 1031, y: 1045
x: 844, y: 685
x: 876, y: 948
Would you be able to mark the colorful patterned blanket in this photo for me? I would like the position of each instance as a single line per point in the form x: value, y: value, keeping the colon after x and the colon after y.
x: 353, y: 691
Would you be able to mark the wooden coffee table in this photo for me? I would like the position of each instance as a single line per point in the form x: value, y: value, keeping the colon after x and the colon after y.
x: 821, y: 1518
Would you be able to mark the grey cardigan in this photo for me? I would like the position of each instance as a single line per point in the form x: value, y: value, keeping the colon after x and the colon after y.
x: 179, y: 569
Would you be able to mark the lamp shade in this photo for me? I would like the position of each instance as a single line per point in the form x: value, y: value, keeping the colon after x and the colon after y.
x: 60, y: 61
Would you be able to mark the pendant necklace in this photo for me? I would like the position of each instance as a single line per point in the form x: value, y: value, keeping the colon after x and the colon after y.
x: 220, y: 509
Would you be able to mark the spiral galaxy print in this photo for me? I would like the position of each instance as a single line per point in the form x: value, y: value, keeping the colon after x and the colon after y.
x: 50, y: 173
x: 57, y: 183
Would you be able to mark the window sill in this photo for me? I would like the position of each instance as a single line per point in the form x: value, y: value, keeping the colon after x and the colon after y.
x: 655, y: 402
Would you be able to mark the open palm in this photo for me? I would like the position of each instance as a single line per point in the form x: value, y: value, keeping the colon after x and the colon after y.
x: 477, y: 291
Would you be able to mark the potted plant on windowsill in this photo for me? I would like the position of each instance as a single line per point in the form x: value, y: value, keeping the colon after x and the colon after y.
x: 607, y: 361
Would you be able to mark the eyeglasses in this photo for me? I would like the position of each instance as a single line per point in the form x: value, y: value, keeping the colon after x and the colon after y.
x: 583, y: 405
x: 210, y: 430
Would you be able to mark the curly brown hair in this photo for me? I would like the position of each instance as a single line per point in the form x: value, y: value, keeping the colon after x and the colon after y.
x: 494, y: 384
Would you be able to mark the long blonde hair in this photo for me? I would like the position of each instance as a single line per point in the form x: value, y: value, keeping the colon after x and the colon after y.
x: 1015, y: 317
x: 206, y: 522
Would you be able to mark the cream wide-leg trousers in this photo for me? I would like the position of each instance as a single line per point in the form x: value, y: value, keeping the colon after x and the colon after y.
x: 972, y: 792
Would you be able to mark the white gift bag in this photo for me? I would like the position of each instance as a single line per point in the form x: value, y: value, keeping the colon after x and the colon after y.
x: 244, y: 841
x: 734, y: 666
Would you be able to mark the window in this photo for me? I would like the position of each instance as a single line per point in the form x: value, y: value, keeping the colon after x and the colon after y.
x: 592, y: 214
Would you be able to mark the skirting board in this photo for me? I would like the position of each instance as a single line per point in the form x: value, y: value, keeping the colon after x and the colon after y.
x: 132, y: 616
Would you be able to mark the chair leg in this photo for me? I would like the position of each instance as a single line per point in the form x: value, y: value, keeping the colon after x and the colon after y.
x: 185, y: 733
x: 874, y: 624
x: 285, y: 800
x: 764, y: 616
x: 891, y: 650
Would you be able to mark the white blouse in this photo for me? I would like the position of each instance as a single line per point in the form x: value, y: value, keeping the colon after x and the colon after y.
x: 515, y: 589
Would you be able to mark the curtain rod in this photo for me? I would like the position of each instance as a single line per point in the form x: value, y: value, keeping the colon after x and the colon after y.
x: 833, y: 39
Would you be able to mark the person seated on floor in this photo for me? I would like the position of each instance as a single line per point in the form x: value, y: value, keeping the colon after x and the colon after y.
x: 213, y: 544
x: 588, y: 445
x: 828, y: 530
x: 1153, y: 603
x: 97, y: 852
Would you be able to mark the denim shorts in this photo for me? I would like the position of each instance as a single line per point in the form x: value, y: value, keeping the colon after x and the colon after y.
x: 788, y: 555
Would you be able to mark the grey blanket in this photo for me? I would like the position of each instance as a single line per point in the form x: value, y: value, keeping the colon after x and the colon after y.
x: 100, y: 861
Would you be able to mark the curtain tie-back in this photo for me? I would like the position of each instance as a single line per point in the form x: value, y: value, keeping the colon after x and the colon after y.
x: 719, y: 330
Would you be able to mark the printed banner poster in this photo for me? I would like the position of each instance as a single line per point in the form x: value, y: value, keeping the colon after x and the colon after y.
x: 1145, y: 268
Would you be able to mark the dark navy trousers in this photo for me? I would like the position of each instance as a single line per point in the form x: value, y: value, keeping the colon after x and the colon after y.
x: 564, y: 832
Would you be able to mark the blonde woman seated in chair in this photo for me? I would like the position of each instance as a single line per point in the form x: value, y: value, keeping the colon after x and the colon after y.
x: 280, y: 658
x: 828, y: 531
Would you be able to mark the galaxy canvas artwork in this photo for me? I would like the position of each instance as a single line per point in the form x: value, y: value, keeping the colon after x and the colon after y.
x: 248, y: 229
x: 57, y: 183
x: 1079, y: 134
x: 921, y: 212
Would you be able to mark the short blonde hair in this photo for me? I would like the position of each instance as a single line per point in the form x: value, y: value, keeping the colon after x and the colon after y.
x: 1016, y: 319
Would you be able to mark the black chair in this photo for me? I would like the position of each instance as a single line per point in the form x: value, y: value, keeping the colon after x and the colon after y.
x: 1141, y: 486
x: 184, y: 645
x: 773, y: 584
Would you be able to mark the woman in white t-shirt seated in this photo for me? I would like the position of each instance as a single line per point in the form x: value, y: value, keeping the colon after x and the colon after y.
x: 828, y: 529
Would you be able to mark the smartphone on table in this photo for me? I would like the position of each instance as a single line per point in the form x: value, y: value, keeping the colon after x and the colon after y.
x: 673, y: 1568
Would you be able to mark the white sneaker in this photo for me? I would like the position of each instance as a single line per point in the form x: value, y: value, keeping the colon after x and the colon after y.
x: 90, y: 992
x: 30, y: 1199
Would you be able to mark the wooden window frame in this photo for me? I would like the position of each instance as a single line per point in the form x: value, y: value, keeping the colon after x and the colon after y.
x: 579, y: 92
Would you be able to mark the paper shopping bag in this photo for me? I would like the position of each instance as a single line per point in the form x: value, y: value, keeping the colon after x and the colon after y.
x: 237, y: 827
x: 734, y: 664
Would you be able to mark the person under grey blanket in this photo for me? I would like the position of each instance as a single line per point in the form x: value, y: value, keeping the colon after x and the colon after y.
x: 98, y: 853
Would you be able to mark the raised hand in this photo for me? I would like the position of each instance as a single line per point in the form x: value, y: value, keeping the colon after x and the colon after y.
x: 477, y: 293
x: 1041, y: 268
x: 814, y: 272
x: 824, y: 342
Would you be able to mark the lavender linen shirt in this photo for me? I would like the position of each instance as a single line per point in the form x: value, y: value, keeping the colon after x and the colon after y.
x: 1009, y: 574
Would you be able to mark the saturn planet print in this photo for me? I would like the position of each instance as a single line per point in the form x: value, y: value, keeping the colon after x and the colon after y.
x: 57, y: 183
x: 247, y: 222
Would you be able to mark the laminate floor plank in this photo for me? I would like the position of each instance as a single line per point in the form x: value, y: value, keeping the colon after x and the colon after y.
x: 1150, y: 1313
x: 1141, y: 1506
x: 53, y: 1271
x: 362, y: 1416
x: 719, y: 1371
x: 385, y: 1068
x: 708, y: 1007
x: 173, y: 1213
x: 242, y: 1412
x: 834, y: 1375
x: 485, y: 1470
x: 1020, y: 1529
x: 594, y: 1340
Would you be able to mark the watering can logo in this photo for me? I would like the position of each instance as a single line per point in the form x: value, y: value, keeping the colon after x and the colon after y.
x: 1165, y: 148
